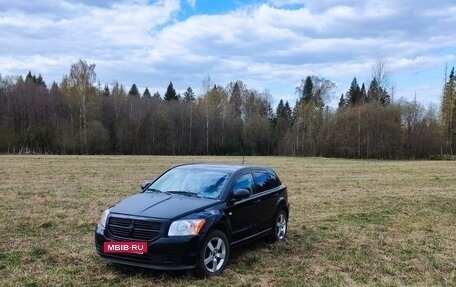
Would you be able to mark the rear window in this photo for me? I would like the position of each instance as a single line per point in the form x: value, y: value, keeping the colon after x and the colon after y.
x: 261, y: 181
x: 273, y: 181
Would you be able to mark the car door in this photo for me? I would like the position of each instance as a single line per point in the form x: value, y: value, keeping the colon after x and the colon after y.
x: 242, y: 213
x: 265, y: 198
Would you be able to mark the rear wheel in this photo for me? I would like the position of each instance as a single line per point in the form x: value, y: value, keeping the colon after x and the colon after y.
x: 279, y: 226
x: 214, y: 255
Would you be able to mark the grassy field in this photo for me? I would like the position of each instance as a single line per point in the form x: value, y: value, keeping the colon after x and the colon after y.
x: 352, y: 223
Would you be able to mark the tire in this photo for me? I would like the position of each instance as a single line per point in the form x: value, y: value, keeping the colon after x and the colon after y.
x: 279, y: 226
x: 214, y: 255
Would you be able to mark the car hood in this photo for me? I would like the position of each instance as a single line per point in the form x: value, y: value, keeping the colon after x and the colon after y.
x: 161, y: 205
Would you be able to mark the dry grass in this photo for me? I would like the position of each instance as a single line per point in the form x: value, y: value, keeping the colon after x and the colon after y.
x: 353, y: 222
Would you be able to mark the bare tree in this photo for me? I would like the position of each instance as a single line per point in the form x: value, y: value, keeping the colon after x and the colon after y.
x: 79, y: 86
x: 383, y: 74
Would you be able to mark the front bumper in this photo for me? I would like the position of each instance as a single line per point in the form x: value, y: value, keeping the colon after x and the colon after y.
x: 166, y: 253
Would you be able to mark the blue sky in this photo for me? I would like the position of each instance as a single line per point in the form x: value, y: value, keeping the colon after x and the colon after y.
x: 267, y: 44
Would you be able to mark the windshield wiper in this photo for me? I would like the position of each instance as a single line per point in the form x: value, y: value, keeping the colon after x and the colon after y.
x: 155, y: 190
x: 183, y: 192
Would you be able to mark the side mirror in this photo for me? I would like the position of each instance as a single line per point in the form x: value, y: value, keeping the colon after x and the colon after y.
x: 145, y: 184
x: 240, y: 194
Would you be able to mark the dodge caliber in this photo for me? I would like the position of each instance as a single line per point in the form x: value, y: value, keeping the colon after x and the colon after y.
x: 192, y: 215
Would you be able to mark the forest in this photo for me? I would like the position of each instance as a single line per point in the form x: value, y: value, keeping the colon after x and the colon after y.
x: 81, y: 116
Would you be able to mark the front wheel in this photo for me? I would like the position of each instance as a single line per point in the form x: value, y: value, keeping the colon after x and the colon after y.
x: 279, y: 226
x: 214, y: 255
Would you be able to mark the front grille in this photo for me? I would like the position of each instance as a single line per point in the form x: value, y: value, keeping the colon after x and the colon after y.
x: 134, y: 228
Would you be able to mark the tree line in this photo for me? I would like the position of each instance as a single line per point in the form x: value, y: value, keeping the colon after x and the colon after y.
x: 80, y: 116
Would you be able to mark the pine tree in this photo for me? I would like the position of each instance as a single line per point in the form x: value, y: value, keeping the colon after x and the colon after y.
x: 36, y: 80
x: 284, y: 112
x: 134, y: 92
x: 189, y: 95
x: 373, y: 94
x: 354, y: 95
x: 39, y: 80
x: 363, y: 94
x: 236, y: 99
x: 341, y: 101
x: 55, y: 90
x: 287, y: 112
x: 307, y: 91
x: 448, y: 111
x: 157, y: 95
x: 170, y: 94
x: 279, y: 110
x: 106, y: 91
x: 29, y: 77
x: 147, y: 94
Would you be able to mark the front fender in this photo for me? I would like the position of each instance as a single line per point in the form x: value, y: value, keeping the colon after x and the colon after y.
x: 215, y: 219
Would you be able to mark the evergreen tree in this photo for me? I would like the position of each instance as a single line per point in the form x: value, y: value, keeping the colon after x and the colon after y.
x: 287, y: 112
x: 147, y: 94
x: 157, y: 95
x: 448, y: 112
x: 189, y: 95
x: 363, y: 94
x: 374, y: 91
x: 280, y: 109
x: 29, y: 77
x: 236, y: 99
x: 36, y: 80
x: 341, y: 101
x: 106, y: 92
x: 307, y: 91
x: 377, y: 93
x: 55, y: 90
x: 354, y: 94
x: 39, y: 81
x: 170, y: 94
x: 134, y: 92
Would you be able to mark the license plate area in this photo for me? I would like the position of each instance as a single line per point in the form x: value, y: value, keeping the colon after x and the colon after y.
x: 129, y: 247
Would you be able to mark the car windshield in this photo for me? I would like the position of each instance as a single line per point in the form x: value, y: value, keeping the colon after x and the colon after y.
x: 192, y: 181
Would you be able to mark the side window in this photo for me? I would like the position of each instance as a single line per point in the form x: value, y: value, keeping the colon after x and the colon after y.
x: 261, y: 181
x: 245, y: 181
x: 273, y: 180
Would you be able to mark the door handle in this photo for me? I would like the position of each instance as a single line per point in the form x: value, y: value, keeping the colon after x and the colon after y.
x: 258, y: 200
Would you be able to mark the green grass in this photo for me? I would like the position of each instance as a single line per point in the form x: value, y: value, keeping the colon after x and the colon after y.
x: 352, y: 223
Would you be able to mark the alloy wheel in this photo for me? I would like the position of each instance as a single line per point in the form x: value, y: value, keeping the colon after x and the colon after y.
x: 214, y: 254
x: 281, y: 226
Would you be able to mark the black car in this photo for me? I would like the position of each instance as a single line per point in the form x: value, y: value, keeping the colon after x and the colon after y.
x: 191, y: 216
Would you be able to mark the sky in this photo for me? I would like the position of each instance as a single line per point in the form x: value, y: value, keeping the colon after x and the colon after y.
x: 269, y: 45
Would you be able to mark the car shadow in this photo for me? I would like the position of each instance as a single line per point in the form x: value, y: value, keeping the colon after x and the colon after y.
x: 150, y: 273
x: 237, y: 255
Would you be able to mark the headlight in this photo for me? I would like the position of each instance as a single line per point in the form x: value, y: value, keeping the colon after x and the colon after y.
x: 104, y: 217
x: 186, y: 227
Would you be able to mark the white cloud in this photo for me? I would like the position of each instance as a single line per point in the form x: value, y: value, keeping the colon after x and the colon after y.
x: 191, y: 3
x: 427, y: 95
x: 420, y: 62
x: 259, y: 44
x: 101, y: 33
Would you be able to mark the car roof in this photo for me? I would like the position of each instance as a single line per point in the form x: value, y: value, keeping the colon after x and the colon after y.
x: 221, y: 167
